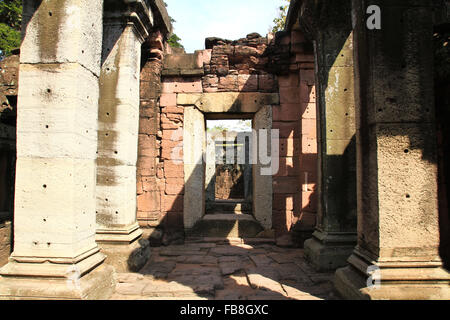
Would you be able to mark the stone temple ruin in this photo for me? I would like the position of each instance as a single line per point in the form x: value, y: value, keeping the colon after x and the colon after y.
x: 105, y: 157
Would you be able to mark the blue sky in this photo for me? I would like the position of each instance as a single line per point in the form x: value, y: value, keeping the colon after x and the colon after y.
x: 230, y: 19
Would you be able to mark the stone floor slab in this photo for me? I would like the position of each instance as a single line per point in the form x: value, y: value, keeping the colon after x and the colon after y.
x: 230, y: 251
x: 158, y: 269
x: 225, y: 272
x: 133, y: 288
x: 128, y: 277
x: 261, y: 260
x: 227, y: 268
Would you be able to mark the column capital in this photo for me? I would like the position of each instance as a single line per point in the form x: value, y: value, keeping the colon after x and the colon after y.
x: 143, y: 15
x: 314, y: 15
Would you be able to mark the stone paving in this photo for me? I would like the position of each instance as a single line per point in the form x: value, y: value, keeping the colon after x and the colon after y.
x: 225, y: 272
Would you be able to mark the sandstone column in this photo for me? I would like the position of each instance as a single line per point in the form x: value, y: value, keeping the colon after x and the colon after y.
x: 194, y: 141
x: 263, y: 172
x: 55, y: 253
x: 210, y: 171
x: 117, y: 227
x: 335, y: 234
x: 398, y: 229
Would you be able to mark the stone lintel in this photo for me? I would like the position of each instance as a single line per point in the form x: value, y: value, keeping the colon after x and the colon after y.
x: 233, y: 102
x: 187, y: 64
x: 183, y: 72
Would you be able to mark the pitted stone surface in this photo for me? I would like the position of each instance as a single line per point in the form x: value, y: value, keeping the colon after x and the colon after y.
x: 225, y: 272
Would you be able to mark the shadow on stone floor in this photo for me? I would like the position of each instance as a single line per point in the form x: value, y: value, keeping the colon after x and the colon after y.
x: 230, y: 271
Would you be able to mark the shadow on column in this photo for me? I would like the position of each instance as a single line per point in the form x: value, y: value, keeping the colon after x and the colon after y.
x: 442, y: 98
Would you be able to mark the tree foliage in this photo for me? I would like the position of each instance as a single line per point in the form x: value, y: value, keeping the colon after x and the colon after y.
x: 11, y: 18
x: 174, y: 40
x: 280, y: 21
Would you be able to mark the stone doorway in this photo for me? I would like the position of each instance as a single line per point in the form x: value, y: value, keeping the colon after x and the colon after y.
x: 228, y: 179
x: 205, y: 214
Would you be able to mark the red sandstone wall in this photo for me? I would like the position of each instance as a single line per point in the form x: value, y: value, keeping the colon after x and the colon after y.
x: 172, y: 171
x: 148, y: 194
x: 253, y: 64
x: 229, y: 182
x: 294, y: 200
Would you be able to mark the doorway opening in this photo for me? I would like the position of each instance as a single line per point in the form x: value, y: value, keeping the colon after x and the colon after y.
x: 242, y: 205
x: 228, y: 167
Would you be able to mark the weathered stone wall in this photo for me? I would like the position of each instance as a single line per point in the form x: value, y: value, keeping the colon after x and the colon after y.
x: 255, y: 64
x: 172, y: 170
x: 148, y: 193
x: 295, y: 199
x: 238, y: 66
x: 160, y: 173
x: 283, y: 64
x: 229, y: 181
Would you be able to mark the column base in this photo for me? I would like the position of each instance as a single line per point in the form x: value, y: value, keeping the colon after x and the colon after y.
x: 397, y: 280
x: 87, y: 279
x: 125, y: 249
x: 327, y: 252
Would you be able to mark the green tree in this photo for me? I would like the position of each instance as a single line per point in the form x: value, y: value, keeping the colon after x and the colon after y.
x: 280, y: 21
x: 174, y: 40
x: 11, y: 18
x: 217, y: 128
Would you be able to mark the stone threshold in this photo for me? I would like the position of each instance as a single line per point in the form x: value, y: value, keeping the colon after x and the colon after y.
x: 230, y: 240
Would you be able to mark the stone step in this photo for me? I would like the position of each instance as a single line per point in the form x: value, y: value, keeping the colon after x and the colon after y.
x: 229, y: 240
x: 216, y: 212
x: 226, y: 226
x: 231, y: 206
x: 228, y: 217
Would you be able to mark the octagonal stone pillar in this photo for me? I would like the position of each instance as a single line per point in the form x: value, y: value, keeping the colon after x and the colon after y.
x: 335, y: 234
x: 397, y: 255
x: 118, y: 232
x: 55, y: 254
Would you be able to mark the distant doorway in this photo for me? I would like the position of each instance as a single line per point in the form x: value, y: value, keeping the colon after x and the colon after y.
x: 254, y: 203
x: 228, y: 167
